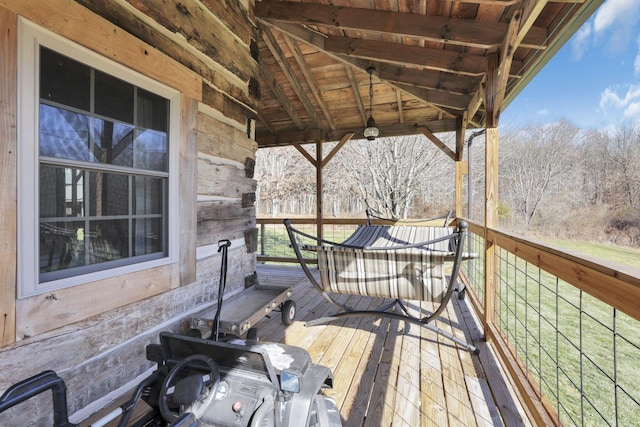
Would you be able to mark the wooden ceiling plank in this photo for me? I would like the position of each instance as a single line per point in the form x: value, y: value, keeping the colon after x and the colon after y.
x: 282, y: 98
x: 308, y: 75
x: 265, y: 122
x: 464, y: 32
x: 313, y: 39
x: 282, y: 61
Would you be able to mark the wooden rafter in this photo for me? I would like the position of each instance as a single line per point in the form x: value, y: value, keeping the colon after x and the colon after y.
x: 308, y: 75
x: 497, y: 75
x: 356, y: 93
x: 282, y: 98
x: 319, y: 42
x: 282, y: 61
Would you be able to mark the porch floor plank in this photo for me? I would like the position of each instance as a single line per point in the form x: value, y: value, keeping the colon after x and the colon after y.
x: 390, y: 373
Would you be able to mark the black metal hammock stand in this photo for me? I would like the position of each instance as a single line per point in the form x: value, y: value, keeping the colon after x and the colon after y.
x: 400, y: 262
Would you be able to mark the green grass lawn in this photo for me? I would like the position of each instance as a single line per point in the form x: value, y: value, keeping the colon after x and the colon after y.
x: 617, y: 254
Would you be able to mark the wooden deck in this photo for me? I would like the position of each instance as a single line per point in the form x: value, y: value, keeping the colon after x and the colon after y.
x: 388, y: 373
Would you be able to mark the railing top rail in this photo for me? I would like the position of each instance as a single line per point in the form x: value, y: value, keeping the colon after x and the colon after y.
x: 615, y: 284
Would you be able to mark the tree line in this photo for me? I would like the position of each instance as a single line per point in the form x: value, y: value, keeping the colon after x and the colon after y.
x: 555, y: 180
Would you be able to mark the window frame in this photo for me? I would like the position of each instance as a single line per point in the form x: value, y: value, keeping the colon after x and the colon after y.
x: 30, y: 38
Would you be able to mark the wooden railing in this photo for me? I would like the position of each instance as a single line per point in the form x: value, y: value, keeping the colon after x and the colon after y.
x: 566, y: 326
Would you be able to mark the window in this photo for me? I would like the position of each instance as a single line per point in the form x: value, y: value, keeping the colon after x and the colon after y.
x: 98, y: 162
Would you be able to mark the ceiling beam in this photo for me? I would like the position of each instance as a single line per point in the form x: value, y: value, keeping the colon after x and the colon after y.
x: 439, y: 98
x: 433, y: 59
x: 308, y: 136
x: 463, y: 32
x: 428, y: 79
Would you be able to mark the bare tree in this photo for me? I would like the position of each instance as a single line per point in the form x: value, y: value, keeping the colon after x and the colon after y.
x: 534, y: 162
x: 389, y: 172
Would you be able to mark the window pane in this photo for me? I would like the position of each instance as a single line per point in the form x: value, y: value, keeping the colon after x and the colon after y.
x: 113, y: 97
x: 64, y: 134
x: 113, y: 143
x: 147, y: 238
x: 61, y: 245
x: 153, y: 111
x: 109, y: 194
x: 147, y: 195
x: 108, y: 240
x: 64, y: 80
x: 150, y: 151
x: 61, y: 192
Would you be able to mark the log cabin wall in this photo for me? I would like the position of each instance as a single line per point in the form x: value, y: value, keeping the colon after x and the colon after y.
x: 94, y: 334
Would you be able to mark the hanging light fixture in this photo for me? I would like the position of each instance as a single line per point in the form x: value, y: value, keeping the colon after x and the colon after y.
x: 371, y: 132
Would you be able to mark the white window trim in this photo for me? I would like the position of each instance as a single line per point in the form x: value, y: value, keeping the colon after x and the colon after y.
x: 30, y: 37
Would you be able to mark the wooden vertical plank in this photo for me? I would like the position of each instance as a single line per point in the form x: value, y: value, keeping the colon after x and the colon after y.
x: 491, y: 221
x: 434, y: 404
x: 8, y: 173
x: 408, y: 397
x: 188, y: 190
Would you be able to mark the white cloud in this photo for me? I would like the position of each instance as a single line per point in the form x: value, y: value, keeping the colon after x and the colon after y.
x: 612, y: 11
x: 543, y: 113
x: 581, y: 41
x: 621, y: 101
x: 616, y: 18
x: 633, y: 110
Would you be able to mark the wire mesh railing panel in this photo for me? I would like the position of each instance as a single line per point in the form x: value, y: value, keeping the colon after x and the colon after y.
x: 474, y: 268
x: 581, y: 352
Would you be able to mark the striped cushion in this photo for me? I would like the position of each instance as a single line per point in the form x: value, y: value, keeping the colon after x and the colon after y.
x: 409, y: 273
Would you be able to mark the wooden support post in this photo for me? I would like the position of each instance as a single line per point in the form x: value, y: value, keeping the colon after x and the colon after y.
x: 319, y: 168
x: 8, y: 173
x: 490, y: 221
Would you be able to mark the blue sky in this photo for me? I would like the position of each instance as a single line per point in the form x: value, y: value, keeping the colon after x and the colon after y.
x: 594, y: 80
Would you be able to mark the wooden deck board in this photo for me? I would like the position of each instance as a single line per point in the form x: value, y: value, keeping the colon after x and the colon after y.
x: 388, y: 373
